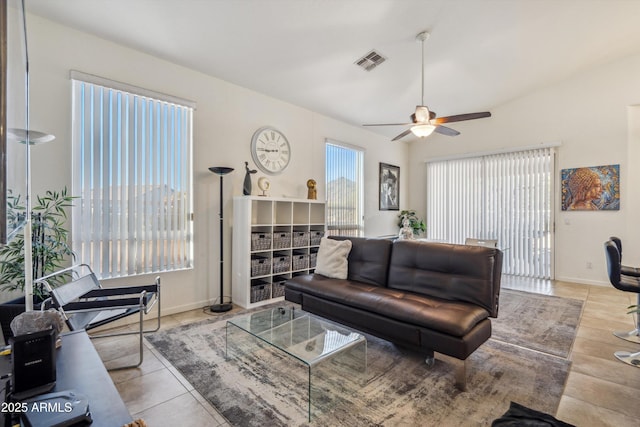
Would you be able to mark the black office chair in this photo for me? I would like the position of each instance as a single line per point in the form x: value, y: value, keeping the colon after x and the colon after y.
x: 634, y: 273
x: 86, y: 305
x: 627, y: 284
x: 624, y: 269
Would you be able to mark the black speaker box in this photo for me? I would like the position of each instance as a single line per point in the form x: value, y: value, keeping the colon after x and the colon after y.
x: 34, y: 364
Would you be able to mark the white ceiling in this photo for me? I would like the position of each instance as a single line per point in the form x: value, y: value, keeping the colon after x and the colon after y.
x: 481, y: 53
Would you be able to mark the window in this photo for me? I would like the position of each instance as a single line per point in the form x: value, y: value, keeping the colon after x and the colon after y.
x: 132, y: 175
x: 344, y: 175
x: 504, y: 196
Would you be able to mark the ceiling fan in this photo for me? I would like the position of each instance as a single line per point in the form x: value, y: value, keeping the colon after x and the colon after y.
x: 423, y: 121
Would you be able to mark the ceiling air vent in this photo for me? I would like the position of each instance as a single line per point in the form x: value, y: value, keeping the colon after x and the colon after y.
x: 370, y: 61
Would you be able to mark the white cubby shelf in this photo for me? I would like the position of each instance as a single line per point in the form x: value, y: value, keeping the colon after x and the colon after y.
x: 274, y: 239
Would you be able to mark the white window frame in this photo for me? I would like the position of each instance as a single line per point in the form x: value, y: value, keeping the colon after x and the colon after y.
x: 340, y: 224
x: 132, y: 174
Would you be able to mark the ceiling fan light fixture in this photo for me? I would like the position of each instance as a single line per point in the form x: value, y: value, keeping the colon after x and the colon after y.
x: 422, y: 131
x: 422, y: 114
x: 422, y: 118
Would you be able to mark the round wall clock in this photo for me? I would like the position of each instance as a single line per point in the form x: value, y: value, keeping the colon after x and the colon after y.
x: 270, y: 150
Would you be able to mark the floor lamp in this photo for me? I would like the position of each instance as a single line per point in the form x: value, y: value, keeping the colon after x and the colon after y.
x: 221, y: 307
x: 29, y: 138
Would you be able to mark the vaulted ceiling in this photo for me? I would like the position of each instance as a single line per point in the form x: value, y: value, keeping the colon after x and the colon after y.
x: 481, y: 53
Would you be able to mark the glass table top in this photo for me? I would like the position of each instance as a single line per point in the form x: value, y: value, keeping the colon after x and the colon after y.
x: 304, y: 336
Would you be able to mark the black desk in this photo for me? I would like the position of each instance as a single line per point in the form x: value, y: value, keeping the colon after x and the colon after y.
x: 79, y: 368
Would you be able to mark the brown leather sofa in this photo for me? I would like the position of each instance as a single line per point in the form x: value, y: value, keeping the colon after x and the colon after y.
x: 420, y: 295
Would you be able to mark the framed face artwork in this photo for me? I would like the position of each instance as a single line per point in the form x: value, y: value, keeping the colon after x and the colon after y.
x: 389, y: 187
x: 593, y: 188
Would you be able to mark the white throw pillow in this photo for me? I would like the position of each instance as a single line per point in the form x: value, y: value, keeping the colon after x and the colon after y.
x: 332, y: 258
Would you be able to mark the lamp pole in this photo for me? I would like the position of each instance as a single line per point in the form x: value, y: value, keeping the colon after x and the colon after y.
x: 28, y: 247
x: 221, y: 307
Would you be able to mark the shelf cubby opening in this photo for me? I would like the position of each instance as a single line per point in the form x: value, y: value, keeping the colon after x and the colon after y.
x: 300, y: 213
x: 317, y: 213
x: 283, y: 213
x: 261, y: 212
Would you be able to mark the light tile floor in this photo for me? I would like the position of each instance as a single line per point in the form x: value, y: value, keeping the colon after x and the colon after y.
x: 600, y: 390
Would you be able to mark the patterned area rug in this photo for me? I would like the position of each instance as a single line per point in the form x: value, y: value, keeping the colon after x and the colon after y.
x: 261, y: 388
x: 539, y: 322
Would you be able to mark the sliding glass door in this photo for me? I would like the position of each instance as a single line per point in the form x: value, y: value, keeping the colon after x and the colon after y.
x: 505, y: 196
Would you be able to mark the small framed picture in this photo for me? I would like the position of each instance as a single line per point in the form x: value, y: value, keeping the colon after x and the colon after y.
x: 389, y: 187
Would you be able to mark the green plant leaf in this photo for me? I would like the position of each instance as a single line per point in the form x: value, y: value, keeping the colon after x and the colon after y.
x: 50, y: 247
x: 417, y: 224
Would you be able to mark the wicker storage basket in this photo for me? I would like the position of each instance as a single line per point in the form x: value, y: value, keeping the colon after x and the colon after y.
x: 281, y: 240
x: 313, y: 259
x: 260, y: 241
x: 278, y: 287
x: 281, y: 263
x: 260, y: 291
x: 260, y: 266
x: 314, y: 240
x: 300, y: 261
x: 300, y: 238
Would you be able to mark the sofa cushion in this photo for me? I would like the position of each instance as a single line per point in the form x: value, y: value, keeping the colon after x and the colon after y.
x: 368, y: 259
x: 463, y: 273
x: 449, y: 317
x: 332, y: 258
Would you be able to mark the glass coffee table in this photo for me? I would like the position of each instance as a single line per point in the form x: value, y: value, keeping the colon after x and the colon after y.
x: 318, y: 347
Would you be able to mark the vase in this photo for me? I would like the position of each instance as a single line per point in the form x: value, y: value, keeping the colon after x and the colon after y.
x: 246, y: 187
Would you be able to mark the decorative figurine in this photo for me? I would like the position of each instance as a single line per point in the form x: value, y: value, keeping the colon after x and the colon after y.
x: 264, y: 185
x: 246, y: 188
x: 312, y: 193
x: 406, y: 232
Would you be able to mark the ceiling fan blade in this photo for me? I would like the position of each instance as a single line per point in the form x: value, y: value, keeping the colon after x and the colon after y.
x: 462, y: 117
x: 388, y: 124
x: 402, y: 135
x: 446, y: 131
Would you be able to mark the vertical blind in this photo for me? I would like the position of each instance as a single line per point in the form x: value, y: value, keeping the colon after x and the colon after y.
x: 504, y: 196
x: 344, y: 190
x: 132, y: 175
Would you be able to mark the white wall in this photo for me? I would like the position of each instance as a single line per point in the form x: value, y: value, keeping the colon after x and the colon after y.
x: 631, y: 245
x: 588, y: 115
x: 225, y: 119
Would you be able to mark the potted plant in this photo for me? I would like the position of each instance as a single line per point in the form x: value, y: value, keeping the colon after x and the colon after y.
x: 50, y: 250
x: 415, y: 223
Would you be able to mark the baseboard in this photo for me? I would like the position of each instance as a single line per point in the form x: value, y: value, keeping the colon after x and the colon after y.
x: 186, y: 307
x: 582, y: 281
x: 152, y: 315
